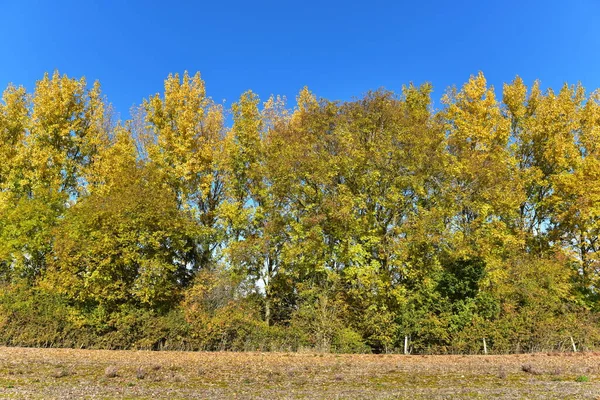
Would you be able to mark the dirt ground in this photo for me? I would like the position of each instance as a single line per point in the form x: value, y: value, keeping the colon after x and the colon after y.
x: 94, y: 374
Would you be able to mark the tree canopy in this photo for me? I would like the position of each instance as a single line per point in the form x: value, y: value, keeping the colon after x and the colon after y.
x: 338, y: 225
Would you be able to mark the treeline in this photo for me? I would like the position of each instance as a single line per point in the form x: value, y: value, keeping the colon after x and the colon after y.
x: 337, y: 226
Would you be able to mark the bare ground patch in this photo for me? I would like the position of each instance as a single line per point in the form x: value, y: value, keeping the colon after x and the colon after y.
x: 27, y: 373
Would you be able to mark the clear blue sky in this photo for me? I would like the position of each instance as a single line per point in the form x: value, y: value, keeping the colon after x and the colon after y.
x: 339, y: 49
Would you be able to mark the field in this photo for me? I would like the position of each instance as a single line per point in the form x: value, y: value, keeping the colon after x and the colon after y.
x: 73, y: 374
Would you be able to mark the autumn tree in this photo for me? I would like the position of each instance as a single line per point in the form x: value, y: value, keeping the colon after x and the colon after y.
x: 54, y: 141
x: 187, y: 141
x: 126, y: 241
x: 339, y: 225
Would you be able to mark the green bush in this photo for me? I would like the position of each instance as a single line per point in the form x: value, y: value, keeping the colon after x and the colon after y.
x: 347, y: 340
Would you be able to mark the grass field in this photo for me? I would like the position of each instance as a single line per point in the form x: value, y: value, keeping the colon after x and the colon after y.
x: 73, y: 374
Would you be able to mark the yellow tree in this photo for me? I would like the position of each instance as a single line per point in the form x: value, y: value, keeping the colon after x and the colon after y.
x: 14, y: 119
x: 125, y: 242
x: 66, y: 125
x: 485, y: 195
x: 187, y: 142
x: 575, y: 200
x: 254, y: 212
x: 543, y: 128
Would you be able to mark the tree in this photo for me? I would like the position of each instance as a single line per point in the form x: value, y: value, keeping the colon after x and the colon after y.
x: 543, y: 129
x: 187, y: 140
x: 53, y: 142
x: 125, y: 243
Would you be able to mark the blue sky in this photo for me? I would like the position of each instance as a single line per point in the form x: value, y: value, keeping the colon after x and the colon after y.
x: 339, y: 49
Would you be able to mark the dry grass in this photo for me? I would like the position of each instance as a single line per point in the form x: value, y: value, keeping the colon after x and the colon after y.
x: 80, y: 374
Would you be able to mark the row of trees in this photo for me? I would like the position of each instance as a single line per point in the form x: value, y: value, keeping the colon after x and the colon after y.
x: 335, y: 225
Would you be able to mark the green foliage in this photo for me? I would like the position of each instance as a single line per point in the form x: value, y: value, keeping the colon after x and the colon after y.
x: 122, y: 246
x: 336, y: 226
x: 348, y: 340
x: 460, y: 280
x: 32, y: 317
